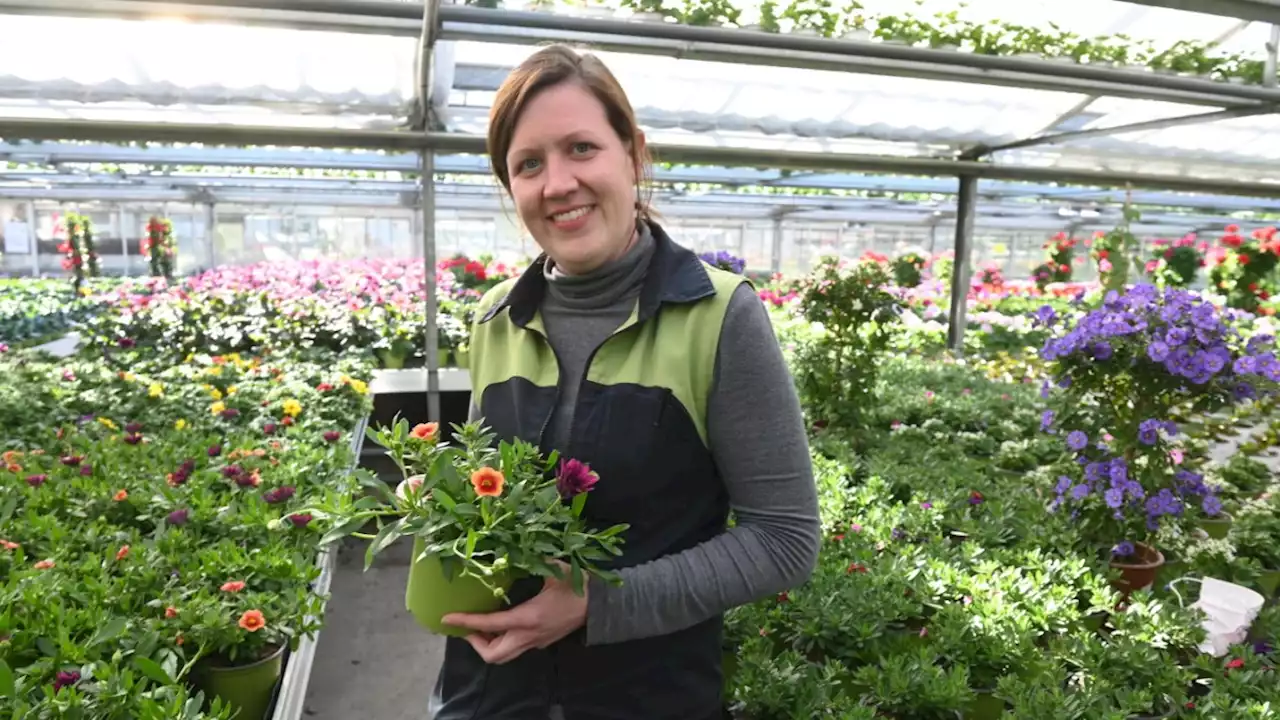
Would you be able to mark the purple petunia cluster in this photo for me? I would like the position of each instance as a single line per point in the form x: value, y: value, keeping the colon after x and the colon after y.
x: 1158, y: 342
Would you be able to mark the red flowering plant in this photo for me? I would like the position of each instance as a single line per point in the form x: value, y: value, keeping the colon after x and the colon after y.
x: 487, y: 511
x: 79, y: 256
x: 908, y: 269
x: 1242, y: 269
x: 1057, y: 269
x: 159, y: 247
x: 471, y: 277
x: 1175, y: 263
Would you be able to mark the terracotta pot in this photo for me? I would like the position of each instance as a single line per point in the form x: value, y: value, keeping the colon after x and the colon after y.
x: 1140, y: 572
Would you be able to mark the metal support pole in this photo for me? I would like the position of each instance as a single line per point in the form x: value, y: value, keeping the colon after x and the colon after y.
x: 775, y: 251
x: 966, y: 204
x: 427, y: 207
x: 1269, y: 71
x: 124, y: 239
x: 35, y: 239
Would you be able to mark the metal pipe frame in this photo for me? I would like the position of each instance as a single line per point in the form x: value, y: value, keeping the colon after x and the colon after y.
x: 708, y: 43
x: 447, y: 143
x: 427, y: 204
x: 1256, y: 10
x: 1145, y: 126
x: 961, y: 271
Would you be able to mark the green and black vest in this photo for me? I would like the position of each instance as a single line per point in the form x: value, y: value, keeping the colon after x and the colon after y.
x: 640, y: 421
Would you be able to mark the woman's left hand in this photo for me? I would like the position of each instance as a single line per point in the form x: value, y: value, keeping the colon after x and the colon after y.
x: 503, y: 636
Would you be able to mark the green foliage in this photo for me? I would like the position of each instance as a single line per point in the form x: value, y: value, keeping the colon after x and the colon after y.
x: 836, y: 369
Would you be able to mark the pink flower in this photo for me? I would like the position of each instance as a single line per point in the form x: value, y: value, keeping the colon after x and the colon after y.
x: 1176, y: 455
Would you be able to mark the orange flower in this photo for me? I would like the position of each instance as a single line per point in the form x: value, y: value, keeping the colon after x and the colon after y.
x: 252, y: 620
x: 233, y: 586
x: 487, y: 482
x: 43, y: 565
x: 14, y: 468
x: 9, y: 545
x: 425, y: 431
x: 170, y: 612
x: 122, y: 552
x: 121, y: 495
x: 178, y: 640
x: 10, y: 457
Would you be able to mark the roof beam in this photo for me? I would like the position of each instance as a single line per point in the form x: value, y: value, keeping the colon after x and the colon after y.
x: 1144, y: 126
x: 1267, y: 11
x: 685, y: 41
x: 293, y: 137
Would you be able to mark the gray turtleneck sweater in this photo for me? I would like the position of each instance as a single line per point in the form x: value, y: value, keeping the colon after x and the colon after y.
x: 773, y: 544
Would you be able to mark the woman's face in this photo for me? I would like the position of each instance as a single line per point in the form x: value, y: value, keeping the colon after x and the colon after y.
x: 572, y: 179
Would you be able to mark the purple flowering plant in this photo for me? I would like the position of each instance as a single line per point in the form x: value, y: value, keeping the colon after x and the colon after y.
x: 1118, y: 373
x: 488, y: 509
x: 725, y: 261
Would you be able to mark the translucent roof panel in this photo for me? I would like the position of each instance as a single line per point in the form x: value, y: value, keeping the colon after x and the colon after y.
x: 172, y: 71
x: 759, y: 106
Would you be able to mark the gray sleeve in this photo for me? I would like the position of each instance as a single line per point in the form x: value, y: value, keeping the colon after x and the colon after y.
x: 769, y: 476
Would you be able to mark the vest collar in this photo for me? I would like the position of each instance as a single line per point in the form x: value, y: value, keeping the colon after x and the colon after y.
x: 675, y: 275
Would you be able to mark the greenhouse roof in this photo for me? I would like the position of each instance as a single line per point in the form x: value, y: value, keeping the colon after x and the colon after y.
x: 693, y: 87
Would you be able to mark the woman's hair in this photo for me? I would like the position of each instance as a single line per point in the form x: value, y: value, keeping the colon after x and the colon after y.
x: 551, y: 66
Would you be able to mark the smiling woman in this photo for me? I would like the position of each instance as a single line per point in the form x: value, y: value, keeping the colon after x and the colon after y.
x: 660, y: 373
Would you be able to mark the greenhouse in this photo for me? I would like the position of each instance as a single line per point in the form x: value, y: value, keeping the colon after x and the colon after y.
x: 1021, y: 264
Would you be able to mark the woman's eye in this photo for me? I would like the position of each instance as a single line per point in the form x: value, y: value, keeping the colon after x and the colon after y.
x: 582, y: 147
x: 528, y: 164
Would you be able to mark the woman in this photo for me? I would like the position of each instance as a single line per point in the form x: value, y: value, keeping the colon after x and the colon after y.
x: 621, y: 348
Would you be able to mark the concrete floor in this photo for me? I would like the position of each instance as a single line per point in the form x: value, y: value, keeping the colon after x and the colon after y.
x: 373, y: 662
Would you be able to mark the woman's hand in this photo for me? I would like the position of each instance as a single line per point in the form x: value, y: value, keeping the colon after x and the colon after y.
x: 503, y: 636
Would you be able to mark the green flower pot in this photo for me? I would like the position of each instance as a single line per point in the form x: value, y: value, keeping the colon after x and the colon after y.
x: 246, y: 688
x: 1218, y: 527
x: 391, y: 360
x: 1269, y: 582
x: 462, y: 358
x: 442, y: 357
x: 984, y: 707
x: 429, y: 596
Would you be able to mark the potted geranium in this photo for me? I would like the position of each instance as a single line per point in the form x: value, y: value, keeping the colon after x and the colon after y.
x: 1121, y: 370
x: 481, y: 515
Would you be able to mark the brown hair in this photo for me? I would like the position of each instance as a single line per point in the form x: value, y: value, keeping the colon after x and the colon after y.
x: 551, y: 66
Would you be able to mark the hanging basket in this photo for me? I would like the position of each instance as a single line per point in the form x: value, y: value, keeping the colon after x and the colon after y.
x: 1138, y: 573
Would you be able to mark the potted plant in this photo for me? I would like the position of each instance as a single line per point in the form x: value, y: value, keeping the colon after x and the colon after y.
x: 481, y: 516
x: 1120, y: 371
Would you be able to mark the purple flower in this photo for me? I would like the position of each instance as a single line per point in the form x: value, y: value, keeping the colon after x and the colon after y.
x: 1077, y: 440
x: 215, y: 450
x: 1080, y: 492
x: 1262, y: 647
x: 574, y: 478
x: 1045, y: 316
x: 1123, y: 549
x: 1046, y: 419
x: 65, y: 678
x: 86, y: 470
x: 178, y: 517
x: 1149, y: 432
x: 230, y: 414
x: 1211, y: 505
x: 36, y: 481
x: 279, y: 494
x: 1157, y: 351
x: 926, y: 505
x: 133, y: 427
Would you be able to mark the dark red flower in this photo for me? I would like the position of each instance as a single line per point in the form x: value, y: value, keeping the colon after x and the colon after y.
x: 300, y: 519
x: 36, y: 481
x: 574, y: 478
x: 65, y: 678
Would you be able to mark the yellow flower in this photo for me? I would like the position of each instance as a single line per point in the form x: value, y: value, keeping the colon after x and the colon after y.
x: 292, y: 407
x: 231, y: 391
x: 127, y: 377
x: 217, y: 408
x: 180, y: 425
x: 214, y: 392
x: 84, y: 291
x: 156, y: 390
x: 214, y: 370
x: 360, y: 387
x: 106, y: 422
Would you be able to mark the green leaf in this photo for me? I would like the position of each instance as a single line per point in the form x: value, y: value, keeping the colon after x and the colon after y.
x: 114, y: 627
x: 385, y: 537
x: 466, y: 509
x: 6, y: 680
x: 579, y: 502
x: 472, y: 539
x: 444, y: 499
x: 610, y: 532
x: 342, y: 530
x: 576, y: 578
x: 46, y: 647
x: 152, y: 669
